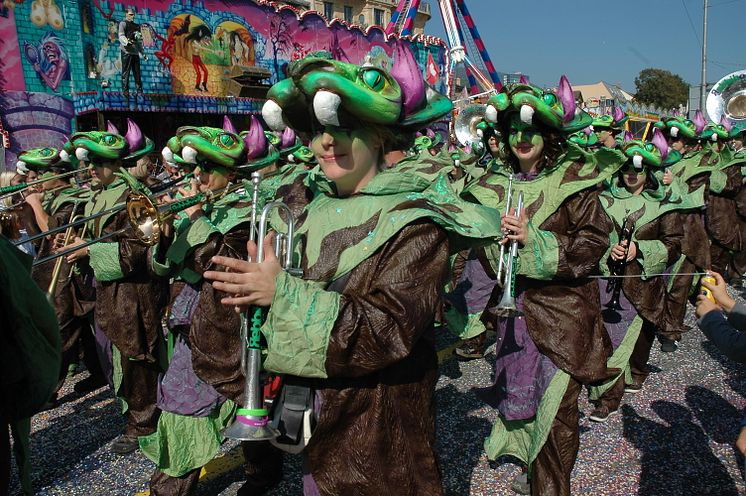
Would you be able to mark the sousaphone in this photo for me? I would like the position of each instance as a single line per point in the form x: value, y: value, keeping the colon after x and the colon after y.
x: 465, y: 125
x: 728, y: 98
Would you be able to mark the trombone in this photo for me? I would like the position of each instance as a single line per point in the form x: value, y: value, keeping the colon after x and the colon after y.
x: 15, y: 188
x: 252, y: 419
x: 163, y: 189
x: 506, y: 269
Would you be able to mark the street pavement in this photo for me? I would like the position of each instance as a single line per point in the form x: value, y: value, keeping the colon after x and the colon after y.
x: 675, y: 437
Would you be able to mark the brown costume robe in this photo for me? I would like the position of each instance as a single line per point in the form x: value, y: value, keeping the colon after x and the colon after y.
x: 646, y: 296
x: 563, y: 320
x: 74, y: 299
x: 694, y: 247
x: 722, y: 220
x: 129, y: 311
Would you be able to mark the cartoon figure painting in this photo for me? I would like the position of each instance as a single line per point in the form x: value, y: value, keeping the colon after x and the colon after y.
x: 200, y: 40
x: 49, y: 59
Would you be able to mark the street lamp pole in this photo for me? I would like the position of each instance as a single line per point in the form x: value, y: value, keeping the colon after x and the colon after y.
x: 703, y: 87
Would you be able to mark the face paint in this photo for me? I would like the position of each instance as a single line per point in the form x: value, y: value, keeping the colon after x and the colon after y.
x: 526, y: 142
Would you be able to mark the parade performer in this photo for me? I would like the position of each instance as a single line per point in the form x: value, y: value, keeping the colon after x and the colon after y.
x: 726, y: 228
x: 646, y: 239
x: 194, y: 413
x: 559, y: 342
x: 29, y: 359
x: 72, y: 293
x: 609, y: 128
x: 129, y: 302
x: 375, y: 256
x: 690, y: 177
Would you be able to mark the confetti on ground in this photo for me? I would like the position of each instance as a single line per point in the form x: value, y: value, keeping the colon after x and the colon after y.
x: 675, y: 437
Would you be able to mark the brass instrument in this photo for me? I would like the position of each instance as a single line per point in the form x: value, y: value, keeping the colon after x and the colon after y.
x: 252, y: 419
x: 51, y: 290
x: 727, y: 98
x: 465, y: 125
x: 618, y: 267
x: 17, y: 188
x: 507, y: 305
x: 163, y: 189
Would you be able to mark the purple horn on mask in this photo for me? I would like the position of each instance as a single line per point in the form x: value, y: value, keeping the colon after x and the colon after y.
x: 255, y: 140
x: 523, y: 79
x: 699, y: 121
x: 111, y: 128
x: 430, y: 133
x: 726, y: 123
x: 565, y: 96
x: 287, y: 139
x: 228, y: 125
x: 409, y: 76
x: 628, y: 136
x: 618, y: 114
x: 134, y: 137
x: 660, y: 142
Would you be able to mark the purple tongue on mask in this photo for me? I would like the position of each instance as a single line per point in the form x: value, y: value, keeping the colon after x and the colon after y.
x: 111, y: 128
x: 660, y: 142
x: 134, y: 137
x: 409, y: 76
x: 255, y: 140
x: 228, y: 125
x: 287, y: 139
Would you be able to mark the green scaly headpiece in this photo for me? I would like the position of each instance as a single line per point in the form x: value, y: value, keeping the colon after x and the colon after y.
x: 555, y: 109
x: 320, y: 91
x: 110, y: 145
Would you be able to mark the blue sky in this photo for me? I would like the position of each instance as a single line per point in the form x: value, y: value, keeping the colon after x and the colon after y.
x: 591, y: 41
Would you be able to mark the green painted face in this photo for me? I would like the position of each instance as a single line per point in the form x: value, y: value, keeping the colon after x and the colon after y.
x: 525, y: 141
x: 101, y: 145
x: 207, y: 146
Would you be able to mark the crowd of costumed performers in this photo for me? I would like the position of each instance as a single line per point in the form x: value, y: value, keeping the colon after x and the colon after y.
x: 282, y: 285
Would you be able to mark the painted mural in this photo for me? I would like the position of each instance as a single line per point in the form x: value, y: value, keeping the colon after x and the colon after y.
x: 191, y: 53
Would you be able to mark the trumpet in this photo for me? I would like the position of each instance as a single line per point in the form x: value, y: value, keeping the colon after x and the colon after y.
x: 16, y: 188
x: 252, y: 419
x: 507, y: 306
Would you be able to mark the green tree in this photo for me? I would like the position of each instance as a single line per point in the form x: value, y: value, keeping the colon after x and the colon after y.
x: 661, y: 88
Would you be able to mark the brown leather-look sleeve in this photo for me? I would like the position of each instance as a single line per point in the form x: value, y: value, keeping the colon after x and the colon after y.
x: 214, y: 334
x: 382, y: 320
x: 671, y: 234
x: 582, y: 230
x: 733, y: 182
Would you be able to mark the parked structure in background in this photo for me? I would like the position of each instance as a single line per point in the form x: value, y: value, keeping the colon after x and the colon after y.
x: 362, y: 12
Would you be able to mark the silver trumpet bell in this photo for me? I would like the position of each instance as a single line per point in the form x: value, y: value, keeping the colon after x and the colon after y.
x: 252, y: 419
x: 507, y: 306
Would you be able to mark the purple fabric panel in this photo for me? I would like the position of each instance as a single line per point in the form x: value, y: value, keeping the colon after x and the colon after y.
x: 616, y: 321
x: 104, y: 352
x: 183, y: 307
x: 474, y: 287
x: 522, y: 373
x: 181, y: 391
